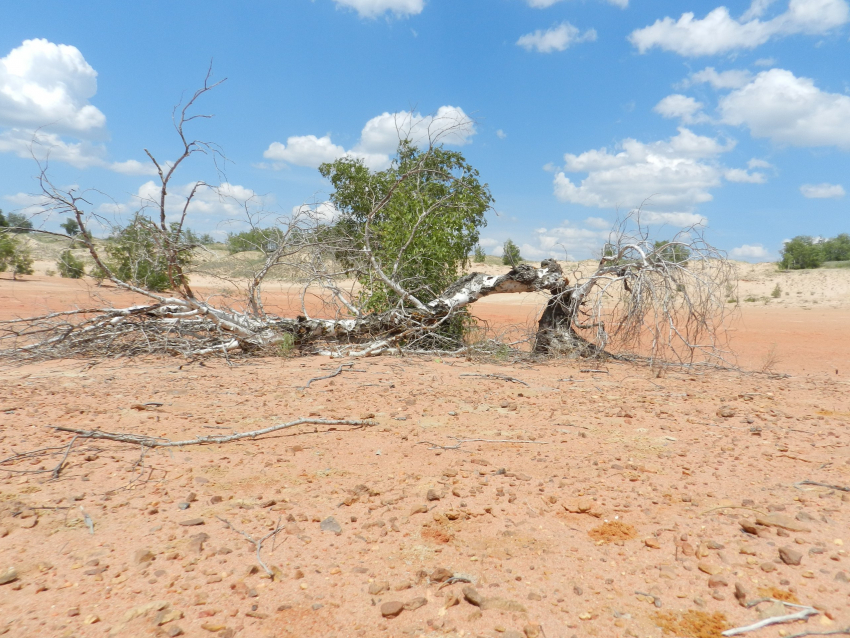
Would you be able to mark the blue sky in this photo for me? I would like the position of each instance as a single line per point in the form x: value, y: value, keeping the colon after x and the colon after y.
x: 737, y: 115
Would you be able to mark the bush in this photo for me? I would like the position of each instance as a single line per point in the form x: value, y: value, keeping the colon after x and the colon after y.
x: 14, y: 255
x: 70, y: 226
x: 837, y: 248
x: 69, y: 266
x: 18, y: 223
x: 510, y: 254
x: 672, y: 252
x: 776, y: 293
x: 801, y: 252
x: 139, y: 255
x: 479, y: 256
x: 264, y: 240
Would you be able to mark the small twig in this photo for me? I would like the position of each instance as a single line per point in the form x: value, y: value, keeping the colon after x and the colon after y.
x: 257, y: 543
x: 58, y: 468
x: 501, y: 377
x: 572, y: 425
x: 804, y: 613
x: 204, y: 440
x: 834, y: 487
x: 599, y: 371
x: 735, y: 507
x: 274, y: 538
x: 332, y: 374
x: 435, y: 446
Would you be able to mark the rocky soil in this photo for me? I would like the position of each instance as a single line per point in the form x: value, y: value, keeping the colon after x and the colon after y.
x: 566, y: 502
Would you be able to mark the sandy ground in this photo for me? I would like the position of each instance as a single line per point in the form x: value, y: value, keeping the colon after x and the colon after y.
x: 611, y: 503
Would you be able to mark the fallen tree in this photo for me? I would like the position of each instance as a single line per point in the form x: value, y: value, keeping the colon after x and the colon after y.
x: 642, y: 299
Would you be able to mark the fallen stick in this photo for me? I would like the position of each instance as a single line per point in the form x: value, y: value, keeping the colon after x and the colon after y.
x: 331, y: 375
x: 58, y: 468
x: 149, y: 441
x: 501, y: 377
x: 436, y: 446
x: 804, y: 613
x: 258, y: 544
x: 834, y: 487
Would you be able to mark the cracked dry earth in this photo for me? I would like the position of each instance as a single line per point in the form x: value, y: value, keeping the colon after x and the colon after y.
x: 615, y: 504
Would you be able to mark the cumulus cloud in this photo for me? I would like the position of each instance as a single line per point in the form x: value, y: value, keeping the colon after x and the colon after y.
x: 378, y: 139
x: 789, y: 110
x: 732, y: 79
x: 501, y: 134
x: 46, y: 83
x: 374, y: 8
x: 675, y: 175
x: 210, y: 205
x: 598, y: 223
x: 720, y: 33
x: 45, y: 90
x: 741, y: 176
x: 758, y: 163
x: 557, y: 38
x: 749, y: 252
x: 681, y: 107
x: 822, y: 191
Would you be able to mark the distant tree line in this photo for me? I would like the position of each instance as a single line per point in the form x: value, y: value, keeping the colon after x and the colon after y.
x: 813, y: 252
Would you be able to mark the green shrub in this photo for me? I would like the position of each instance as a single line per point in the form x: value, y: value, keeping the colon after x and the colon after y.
x: 14, y: 255
x: 510, y: 254
x: 672, y: 252
x: 264, y: 240
x: 777, y: 292
x: 479, y: 256
x: 801, y: 252
x: 69, y: 266
x: 837, y: 248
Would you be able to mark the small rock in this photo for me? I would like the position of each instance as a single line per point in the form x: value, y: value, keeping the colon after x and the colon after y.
x: 330, y: 525
x: 215, y: 500
x: 392, y: 609
x: 534, y: 596
x: 767, y: 566
x: 416, y: 603
x: 91, y: 619
x: 726, y: 411
x: 174, y: 631
x: 192, y: 497
x: 709, y: 568
x: 652, y: 543
x: 688, y: 549
x: 192, y: 522
x: 533, y: 631
x: 440, y: 575
x: 773, y: 610
x: 183, y: 506
x: 213, y: 627
x: 717, y: 581
x: 790, y: 556
x: 718, y: 595
x: 432, y: 495
x: 472, y: 596
x: 143, y: 556
x: 9, y: 576
x: 167, y: 616
x: 422, y: 509
x: 74, y: 611
x: 503, y: 604
x: 741, y: 594
x: 780, y: 520
x: 377, y: 588
x: 841, y: 577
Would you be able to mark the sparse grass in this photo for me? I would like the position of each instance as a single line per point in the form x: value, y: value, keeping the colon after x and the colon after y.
x: 692, y: 623
x: 750, y: 299
x: 836, y: 264
x: 776, y: 293
x: 770, y: 359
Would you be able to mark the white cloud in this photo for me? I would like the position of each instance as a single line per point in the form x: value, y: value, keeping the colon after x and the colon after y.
x: 489, y: 242
x: 558, y: 38
x: 749, y: 252
x: 741, y: 176
x: 226, y: 202
x: 822, y: 191
x: 682, y: 107
x: 758, y: 163
x: 719, y: 32
x: 674, y: 175
x: 501, y: 134
x: 789, y: 110
x: 305, y: 150
x: 731, y: 79
x: 374, y: 8
x: 598, y: 223
x: 673, y: 219
x: 42, y: 83
x: 132, y: 167
x: 379, y: 138
x: 765, y: 62
x: 323, y: 211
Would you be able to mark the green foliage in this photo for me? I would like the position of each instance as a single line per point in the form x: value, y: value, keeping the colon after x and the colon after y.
x: 18, y: 223
x: 191, y: 237
x: 429, y: 251
x: 14, y: 255
x: 479, y: 256
x: 776, y: 293
x: 139, y: 254
x: 69, y: 266
x: 264, y: 240
x: 837, y: 248
x: 510, y: 253
x: 3, y: 222
x: 672, y: 252
x: 70, y: 226
x: 801, y: 252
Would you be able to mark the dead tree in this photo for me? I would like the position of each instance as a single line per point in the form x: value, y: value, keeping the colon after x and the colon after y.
x: 642, y: 299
